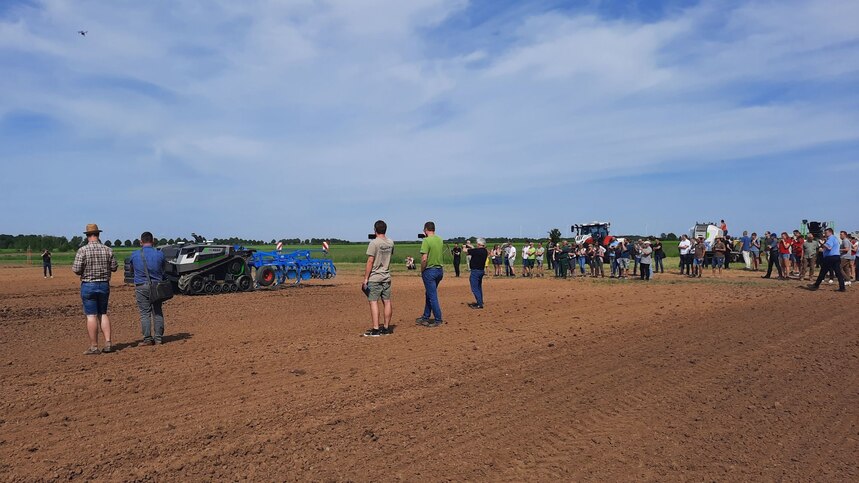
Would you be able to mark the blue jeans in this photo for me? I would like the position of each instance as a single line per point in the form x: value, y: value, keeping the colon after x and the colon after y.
x: 46, y: 269
x: 95, y: 296
x: 432, y: 277
x: 582, y: 265
x: 151, y: 314
x: 476, y: 280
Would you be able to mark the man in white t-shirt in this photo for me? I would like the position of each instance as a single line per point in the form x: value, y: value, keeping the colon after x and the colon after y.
x: 685, y: 247
x: 511, y: 259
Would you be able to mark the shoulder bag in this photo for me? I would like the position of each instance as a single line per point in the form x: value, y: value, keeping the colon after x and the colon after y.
x: 160, y: 291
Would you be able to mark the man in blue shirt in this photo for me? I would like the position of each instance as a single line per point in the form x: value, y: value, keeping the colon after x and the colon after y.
x: 746, y: 249
x: 150, y: 312
x: 831, y: 261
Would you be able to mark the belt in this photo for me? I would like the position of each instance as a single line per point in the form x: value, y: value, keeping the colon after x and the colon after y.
x: 95, y: 281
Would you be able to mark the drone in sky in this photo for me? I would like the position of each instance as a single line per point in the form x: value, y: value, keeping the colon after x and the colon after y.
x: 83, y: 32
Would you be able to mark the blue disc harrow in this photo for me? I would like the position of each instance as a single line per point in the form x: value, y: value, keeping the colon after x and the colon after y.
x: 276, y: 268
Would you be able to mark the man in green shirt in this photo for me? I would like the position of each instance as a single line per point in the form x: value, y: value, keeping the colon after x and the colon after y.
x: 432, y: 249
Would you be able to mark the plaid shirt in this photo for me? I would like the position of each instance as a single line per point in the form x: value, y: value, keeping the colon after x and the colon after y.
x: 94, y: 262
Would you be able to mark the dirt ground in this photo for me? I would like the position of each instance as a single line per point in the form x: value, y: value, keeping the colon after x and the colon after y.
x: 736, y: 379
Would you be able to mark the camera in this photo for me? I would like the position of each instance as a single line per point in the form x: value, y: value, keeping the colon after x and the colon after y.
x: 371, y: 236
x: 421, y: 235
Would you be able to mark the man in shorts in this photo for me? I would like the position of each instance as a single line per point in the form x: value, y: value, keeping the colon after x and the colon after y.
x: 377, y: 279
x: 539, y: 253
x: 847, y: 258
x: 532, y: 258
x: 719, y: 251
x: 94, y: 263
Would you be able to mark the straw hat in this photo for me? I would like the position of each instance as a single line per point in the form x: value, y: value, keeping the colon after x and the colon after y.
x: 91, y: 229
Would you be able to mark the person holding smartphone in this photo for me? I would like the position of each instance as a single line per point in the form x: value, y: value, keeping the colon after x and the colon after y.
x: 477, y: 265
x: 432, y: 272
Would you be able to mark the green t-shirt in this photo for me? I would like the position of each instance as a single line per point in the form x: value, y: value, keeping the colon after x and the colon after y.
x: 433, y: 247
x: 532, y: 253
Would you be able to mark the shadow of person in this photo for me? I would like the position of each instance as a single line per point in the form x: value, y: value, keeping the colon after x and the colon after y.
x: 166, y: 340
x: 176, y: 337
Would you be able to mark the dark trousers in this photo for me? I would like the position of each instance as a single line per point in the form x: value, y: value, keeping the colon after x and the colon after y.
x: 151, y: 315
x: 659, y: 267
x: 456, y: 262
x: 832, y: 263
x: 774, y: 259
x: 686, y: 264
x: 507, y: 271
x: 563, y: 264
x: 476, y: 280
x: 46, y: 269
x: 645, y: 271
x: 550, y: 262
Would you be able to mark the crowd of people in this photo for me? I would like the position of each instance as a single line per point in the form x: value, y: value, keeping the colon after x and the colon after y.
x: 793, y: 257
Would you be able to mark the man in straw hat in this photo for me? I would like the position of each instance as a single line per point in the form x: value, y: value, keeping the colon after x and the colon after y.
x: 93, y: 263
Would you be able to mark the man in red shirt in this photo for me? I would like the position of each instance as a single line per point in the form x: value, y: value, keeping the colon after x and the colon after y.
x: 796, y: 252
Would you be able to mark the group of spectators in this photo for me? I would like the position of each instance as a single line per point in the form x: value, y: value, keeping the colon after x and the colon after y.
x: 644, y: 257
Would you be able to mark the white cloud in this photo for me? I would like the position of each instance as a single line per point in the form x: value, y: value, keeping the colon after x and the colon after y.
x: 339, y: 87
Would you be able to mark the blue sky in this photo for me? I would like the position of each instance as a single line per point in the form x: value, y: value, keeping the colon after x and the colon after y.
x: 270, y: 119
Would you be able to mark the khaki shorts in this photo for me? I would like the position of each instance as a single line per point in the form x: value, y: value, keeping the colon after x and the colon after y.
x: 379, y: 290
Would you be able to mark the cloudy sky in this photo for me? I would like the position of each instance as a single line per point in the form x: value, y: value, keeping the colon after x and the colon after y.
x: 271, y: 119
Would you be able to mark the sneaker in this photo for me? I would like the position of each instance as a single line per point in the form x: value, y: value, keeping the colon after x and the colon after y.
x: 144, y: 343
x: 829, y: 281
x: 92, y: 351
x: 422, y: 321
x: 385, y: 331
x: 811, y: 286
x: 475, y: 306
x: 848, y: 283
x: 158, y: 341
x: 842, y: 290
x: 372, y: 333
x: 107, y: 348
x: 435, y: 323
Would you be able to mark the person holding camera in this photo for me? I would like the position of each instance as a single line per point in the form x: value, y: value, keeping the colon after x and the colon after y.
x: 377, y: 278
x: 148, y: 265
x: 432, y: 271
x: 477, y: 265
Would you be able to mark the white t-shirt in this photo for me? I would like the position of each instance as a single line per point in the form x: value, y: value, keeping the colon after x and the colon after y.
x: 685, y: 247
x: 512, y: 254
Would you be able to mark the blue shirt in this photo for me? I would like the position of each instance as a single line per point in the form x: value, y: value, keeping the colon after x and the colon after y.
x: 154, y: 261
x: 831, y: 246
x: 747, y: 243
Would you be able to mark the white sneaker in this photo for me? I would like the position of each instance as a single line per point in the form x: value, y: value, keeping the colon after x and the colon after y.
x: 848, y: 283
x: 829, y: 281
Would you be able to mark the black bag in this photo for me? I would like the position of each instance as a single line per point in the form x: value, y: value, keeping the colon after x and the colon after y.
x: 158, y: 292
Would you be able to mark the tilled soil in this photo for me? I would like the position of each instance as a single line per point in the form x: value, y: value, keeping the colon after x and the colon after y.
x: 675, y: 379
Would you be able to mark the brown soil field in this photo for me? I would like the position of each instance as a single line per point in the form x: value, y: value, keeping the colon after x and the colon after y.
x: 733, y: 379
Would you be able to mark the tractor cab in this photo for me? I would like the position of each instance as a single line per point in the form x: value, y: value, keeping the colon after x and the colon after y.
x: 595, y: 232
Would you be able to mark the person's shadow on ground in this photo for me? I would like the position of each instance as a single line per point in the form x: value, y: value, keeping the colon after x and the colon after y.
x: 166, y: 340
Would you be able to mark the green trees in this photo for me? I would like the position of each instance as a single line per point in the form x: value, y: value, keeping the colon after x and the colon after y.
x: 554, y: 235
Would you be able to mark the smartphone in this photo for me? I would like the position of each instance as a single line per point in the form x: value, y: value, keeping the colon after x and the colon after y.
x: 371, y: 236
x: 421, y: 235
